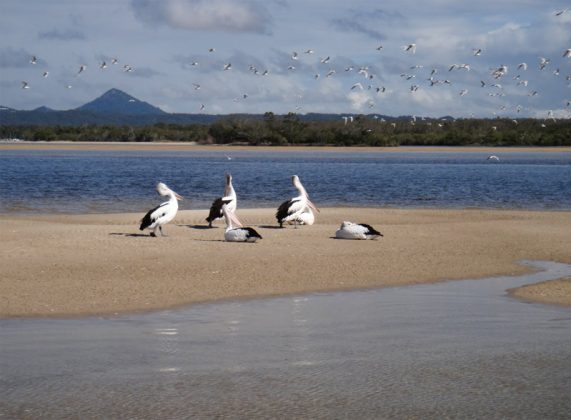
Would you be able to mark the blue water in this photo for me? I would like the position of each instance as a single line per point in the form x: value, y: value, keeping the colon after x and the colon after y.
x: 454, y: 350
x: 109, y: 181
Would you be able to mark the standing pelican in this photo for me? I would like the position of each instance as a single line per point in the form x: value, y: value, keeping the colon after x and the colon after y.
x: 240, y: 233
x: 291, y: 210
x: 163, y: 213
x: 350, y: 230
x: 229, y: 196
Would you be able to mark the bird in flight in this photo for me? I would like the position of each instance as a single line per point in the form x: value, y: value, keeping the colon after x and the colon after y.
x: 25, y: 85
x: 410, y: 48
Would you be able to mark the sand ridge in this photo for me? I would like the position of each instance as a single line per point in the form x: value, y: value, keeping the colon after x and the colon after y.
x: 190, y: 146
x: 67, y: 265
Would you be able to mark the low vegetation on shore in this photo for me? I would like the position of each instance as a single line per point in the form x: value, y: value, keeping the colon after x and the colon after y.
x: 290, y: 129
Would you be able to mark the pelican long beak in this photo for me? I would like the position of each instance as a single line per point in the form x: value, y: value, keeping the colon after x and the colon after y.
x: 235, y: 219
x: 312, y: 206
x: 178, y: 197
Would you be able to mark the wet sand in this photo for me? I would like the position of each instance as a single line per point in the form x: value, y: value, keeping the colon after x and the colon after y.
x: 556, y: 292
x: 179, y: 146
x: 62, y: 265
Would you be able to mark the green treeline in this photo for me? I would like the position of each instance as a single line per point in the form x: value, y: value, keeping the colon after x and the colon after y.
x: 291, y: 130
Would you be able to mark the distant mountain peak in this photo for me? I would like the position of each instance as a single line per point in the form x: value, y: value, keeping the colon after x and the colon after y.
x: 115, y: 101
x: 43, y: 109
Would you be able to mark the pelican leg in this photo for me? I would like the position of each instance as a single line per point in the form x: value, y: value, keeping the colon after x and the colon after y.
x: 161, y: 229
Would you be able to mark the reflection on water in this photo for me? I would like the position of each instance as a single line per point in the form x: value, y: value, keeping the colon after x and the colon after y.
x: 454, y: 349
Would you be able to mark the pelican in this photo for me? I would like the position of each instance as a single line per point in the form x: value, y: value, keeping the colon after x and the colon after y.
x: 229, y: 200
x: 163, y: 213
x: 240, y: 233
x: 291, y: 210
x: 307, y: 217
x: 350, y: 230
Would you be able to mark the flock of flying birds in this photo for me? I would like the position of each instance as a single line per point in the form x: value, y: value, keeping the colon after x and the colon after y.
x: 495, y: 82
x: 298, y: 210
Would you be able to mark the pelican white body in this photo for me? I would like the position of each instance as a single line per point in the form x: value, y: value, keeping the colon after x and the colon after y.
x: 350, y: 230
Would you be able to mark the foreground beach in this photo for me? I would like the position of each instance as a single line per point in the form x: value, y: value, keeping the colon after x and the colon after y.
x: 61, y: 265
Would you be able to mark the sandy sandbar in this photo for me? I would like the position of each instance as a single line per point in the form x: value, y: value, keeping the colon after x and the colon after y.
x: 556, y: 292
x: 179, y: 146
x: 58, y: 265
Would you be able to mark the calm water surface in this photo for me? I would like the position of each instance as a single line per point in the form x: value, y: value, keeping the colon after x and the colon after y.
x: 107, y: 182
x: 452, y: 350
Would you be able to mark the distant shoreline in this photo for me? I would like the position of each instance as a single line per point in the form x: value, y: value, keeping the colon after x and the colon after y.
x: 184, y: 146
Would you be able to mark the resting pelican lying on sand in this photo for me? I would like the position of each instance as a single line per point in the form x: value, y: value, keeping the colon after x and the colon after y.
x: 239, y: 234
x: 350, y: 230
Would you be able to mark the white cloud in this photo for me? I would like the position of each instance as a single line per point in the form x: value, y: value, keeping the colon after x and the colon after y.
x: 207, y: 15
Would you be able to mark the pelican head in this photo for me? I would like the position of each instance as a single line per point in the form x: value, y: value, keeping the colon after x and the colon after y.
x: 163, y: 190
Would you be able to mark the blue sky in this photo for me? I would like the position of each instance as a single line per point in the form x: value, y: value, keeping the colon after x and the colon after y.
x: 161, y: 39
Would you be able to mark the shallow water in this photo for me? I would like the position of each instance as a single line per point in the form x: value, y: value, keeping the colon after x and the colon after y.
x: 462, y: 349
x: 111, y: 181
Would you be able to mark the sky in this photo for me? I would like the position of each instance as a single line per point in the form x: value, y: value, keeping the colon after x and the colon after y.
x: 177, y: 51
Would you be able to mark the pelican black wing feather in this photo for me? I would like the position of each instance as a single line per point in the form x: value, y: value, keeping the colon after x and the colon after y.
x: 148, y: 219
x: 371, y: 229
x: 215, y: 210
x: 252, y: 233
x: 283, y: 210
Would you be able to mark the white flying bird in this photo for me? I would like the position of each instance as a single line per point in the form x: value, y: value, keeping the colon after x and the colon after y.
x: 25, y: 85
x: 567, y: 53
